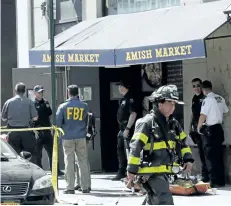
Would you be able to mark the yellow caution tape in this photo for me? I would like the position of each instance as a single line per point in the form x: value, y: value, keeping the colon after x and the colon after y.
x: 57, y: 132
x: 3, y: 127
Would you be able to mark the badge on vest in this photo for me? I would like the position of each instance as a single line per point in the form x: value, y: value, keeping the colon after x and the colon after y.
x: 123, y: 102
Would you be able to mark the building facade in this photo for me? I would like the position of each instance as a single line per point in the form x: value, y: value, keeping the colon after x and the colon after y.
x: 8, y: 47
x: 101, y: 89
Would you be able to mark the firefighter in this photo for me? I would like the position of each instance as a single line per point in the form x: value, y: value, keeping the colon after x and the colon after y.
x: 157, y: 135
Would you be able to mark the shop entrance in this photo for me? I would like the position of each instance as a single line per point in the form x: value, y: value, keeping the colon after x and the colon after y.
x: 109, y: 103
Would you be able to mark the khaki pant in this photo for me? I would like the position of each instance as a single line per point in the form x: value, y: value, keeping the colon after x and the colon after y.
x: 71, y: 148
x: 77, y: 172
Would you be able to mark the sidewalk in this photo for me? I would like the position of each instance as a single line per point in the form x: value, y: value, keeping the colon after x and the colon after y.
x: 107, y: 192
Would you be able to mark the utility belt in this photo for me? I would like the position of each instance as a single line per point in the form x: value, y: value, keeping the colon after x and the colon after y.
x: 16, y: 127
x: 205, y: 130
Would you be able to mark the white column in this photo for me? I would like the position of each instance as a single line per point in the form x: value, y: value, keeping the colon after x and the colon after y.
x: 91, y: 9
x: 24, y: 39
x: 40, y: 24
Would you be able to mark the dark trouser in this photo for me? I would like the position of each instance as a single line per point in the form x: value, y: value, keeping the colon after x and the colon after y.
x: 45, y: 140
x: 121, y: 152
x: 159, y: 193
x: 214, y: 154
x: 23, y: 141
x: 198, y: 139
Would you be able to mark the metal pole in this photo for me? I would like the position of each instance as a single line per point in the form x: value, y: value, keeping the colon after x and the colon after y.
x: 52, y: 52
x: 53, y: 78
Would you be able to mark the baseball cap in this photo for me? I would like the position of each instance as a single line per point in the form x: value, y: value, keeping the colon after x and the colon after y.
x: 38, y: 88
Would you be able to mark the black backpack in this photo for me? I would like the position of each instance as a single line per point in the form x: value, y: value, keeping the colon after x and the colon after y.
x: 91, y: 131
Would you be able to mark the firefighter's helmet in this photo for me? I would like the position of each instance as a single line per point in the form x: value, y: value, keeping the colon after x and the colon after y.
x: 167, y: 92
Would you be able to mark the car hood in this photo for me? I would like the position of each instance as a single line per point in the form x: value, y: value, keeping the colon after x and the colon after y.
x: 20, y: 170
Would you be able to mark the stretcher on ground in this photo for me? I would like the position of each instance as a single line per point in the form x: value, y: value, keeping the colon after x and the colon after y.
x: 180, y: 186
x: 188, y: 187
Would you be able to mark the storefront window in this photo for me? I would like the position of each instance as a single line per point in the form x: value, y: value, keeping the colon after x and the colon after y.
x: 130, y: 6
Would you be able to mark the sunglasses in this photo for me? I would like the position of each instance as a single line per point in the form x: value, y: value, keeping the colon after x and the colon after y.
x: 196, y: 85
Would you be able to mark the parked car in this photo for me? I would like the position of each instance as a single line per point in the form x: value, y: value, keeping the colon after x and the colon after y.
x: 23, y: 182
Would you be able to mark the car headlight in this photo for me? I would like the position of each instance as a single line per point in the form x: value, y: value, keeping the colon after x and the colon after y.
x: 42, y: 182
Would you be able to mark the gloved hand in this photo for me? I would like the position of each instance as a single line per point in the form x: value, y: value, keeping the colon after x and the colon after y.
x: 130, y: 176
x: 188, y: 166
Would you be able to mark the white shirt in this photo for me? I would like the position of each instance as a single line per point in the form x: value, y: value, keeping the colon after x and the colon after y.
x: 221, y: 103
x: 214, y: 107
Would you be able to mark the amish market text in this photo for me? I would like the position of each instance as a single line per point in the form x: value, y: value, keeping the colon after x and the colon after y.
x: 159, y: 53
x: 156, y: 53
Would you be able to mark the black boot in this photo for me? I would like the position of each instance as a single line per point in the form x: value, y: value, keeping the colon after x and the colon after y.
x: 60, y: 173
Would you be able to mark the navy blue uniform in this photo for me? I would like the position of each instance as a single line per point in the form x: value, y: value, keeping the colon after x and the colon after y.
x: 127, y: 106
x: 45, y: 139
x: 196, y: 137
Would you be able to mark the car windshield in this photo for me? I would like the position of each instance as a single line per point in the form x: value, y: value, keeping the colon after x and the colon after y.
x: 7, y: 151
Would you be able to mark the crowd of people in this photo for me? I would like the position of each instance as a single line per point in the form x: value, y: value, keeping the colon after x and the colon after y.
x: 150, y: 148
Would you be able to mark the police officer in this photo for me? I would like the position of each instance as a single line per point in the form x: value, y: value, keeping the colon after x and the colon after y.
x: 72, y: 117
x: 212, y: 112
x: 45, y: 139
x: 196, y: 137
x: 19, y: 112
x: 126, y: 117
x: 158, y: 135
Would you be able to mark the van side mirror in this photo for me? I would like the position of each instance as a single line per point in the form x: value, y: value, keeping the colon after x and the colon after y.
x: 26, y: 155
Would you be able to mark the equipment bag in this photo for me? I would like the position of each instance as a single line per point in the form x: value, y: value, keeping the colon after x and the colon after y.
x: 91, y: 130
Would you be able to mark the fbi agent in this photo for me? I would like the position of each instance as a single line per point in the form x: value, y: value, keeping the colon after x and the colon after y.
x: 158, y: 135
x: 72, y: 117
x: 45, y: 139
x: 212, y: 112
x: 126, y: 117
x: 196, y: 137
x: 20, y: 112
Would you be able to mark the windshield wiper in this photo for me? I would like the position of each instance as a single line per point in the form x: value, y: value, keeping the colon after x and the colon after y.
x: 4, y: 158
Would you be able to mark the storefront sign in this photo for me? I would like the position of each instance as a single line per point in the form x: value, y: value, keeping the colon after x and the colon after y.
x: 161, y: 53
x: 73, y: 58
x: 123, y: 56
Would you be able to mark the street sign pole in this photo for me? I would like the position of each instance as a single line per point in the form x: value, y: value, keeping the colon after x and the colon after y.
x: 53, y: 79
x: 52, y: 51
